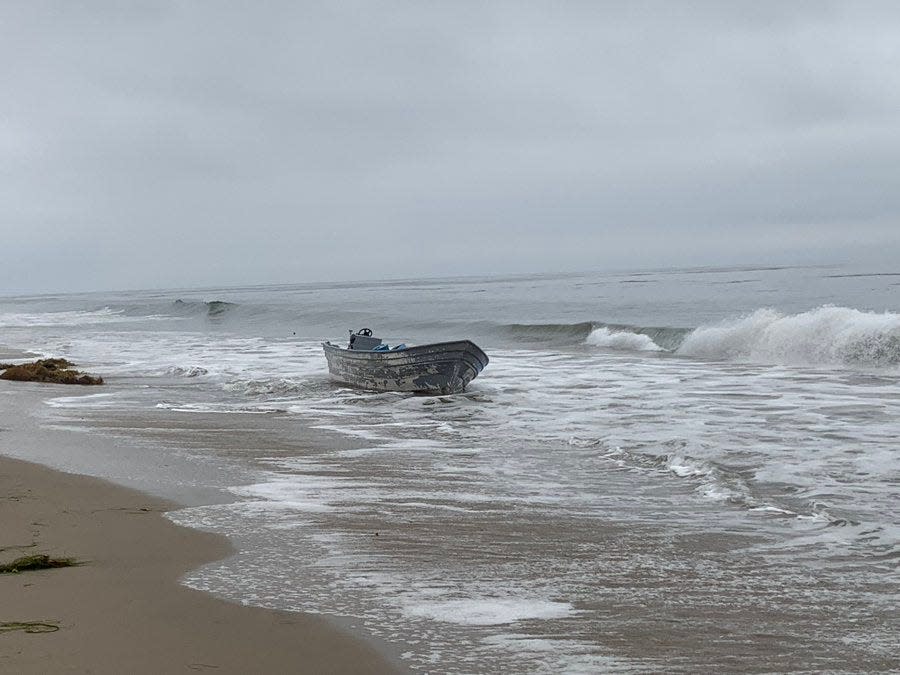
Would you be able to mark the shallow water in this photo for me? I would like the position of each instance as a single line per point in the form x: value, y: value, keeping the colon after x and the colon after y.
x: 682, y: 470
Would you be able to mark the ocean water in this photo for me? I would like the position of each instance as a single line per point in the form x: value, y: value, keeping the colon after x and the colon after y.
x: 675, y: 470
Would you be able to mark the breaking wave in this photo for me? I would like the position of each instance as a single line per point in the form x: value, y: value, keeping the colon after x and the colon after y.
x: 826, y: 336
x: 622, y: 339
x: 823, y: 336
x: 609, y: 335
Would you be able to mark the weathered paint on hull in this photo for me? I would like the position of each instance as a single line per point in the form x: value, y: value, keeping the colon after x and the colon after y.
x: 440, y: 368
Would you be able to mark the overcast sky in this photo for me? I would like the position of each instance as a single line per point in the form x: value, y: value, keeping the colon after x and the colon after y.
x: 161, y: 144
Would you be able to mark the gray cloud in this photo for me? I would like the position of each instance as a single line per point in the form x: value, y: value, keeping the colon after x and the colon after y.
x: 168, y: 144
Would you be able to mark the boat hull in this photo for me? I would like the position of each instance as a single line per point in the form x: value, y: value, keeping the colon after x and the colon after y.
x: 439, y: 368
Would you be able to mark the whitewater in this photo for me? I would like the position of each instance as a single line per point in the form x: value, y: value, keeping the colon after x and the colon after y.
x: 666, y: 470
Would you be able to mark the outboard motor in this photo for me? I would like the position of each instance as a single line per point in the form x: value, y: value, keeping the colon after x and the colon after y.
x: 363, y: 340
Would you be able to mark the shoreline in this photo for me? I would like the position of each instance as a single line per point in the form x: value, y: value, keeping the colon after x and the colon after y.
x: 124, y: 609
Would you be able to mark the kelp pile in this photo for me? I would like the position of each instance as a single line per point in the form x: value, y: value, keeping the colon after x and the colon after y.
x: 26, y: 564
x: 35, y: 562
x: 58, y: 371
x: 29, y: 626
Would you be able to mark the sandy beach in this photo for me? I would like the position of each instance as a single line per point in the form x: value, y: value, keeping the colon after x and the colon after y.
x: 122, y: 609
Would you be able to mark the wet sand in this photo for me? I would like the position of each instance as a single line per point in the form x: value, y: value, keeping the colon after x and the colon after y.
x: 123, y: 610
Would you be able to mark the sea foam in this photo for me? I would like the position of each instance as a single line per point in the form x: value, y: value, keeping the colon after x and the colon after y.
x: 623, y: 340
x: 489, y: 611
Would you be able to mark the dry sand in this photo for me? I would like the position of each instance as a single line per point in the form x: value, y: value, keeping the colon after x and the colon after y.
x: 123, y: 611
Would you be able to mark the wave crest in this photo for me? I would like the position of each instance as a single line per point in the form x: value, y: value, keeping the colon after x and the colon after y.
x: 553, y: 333
x: 608, y: 335
x: 211, y: 308
x: 621, y: 339
x: 824, y: 336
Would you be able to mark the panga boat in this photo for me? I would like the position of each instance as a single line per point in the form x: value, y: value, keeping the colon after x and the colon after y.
x: 437, y: 368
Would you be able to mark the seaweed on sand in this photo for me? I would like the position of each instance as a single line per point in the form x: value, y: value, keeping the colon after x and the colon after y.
x: 29, y: 626
x: 23, y: 564
x: 35, y: 562
x: 59, y: 371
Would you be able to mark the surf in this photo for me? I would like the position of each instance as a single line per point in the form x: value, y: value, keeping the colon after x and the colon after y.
x: 826, y: 336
